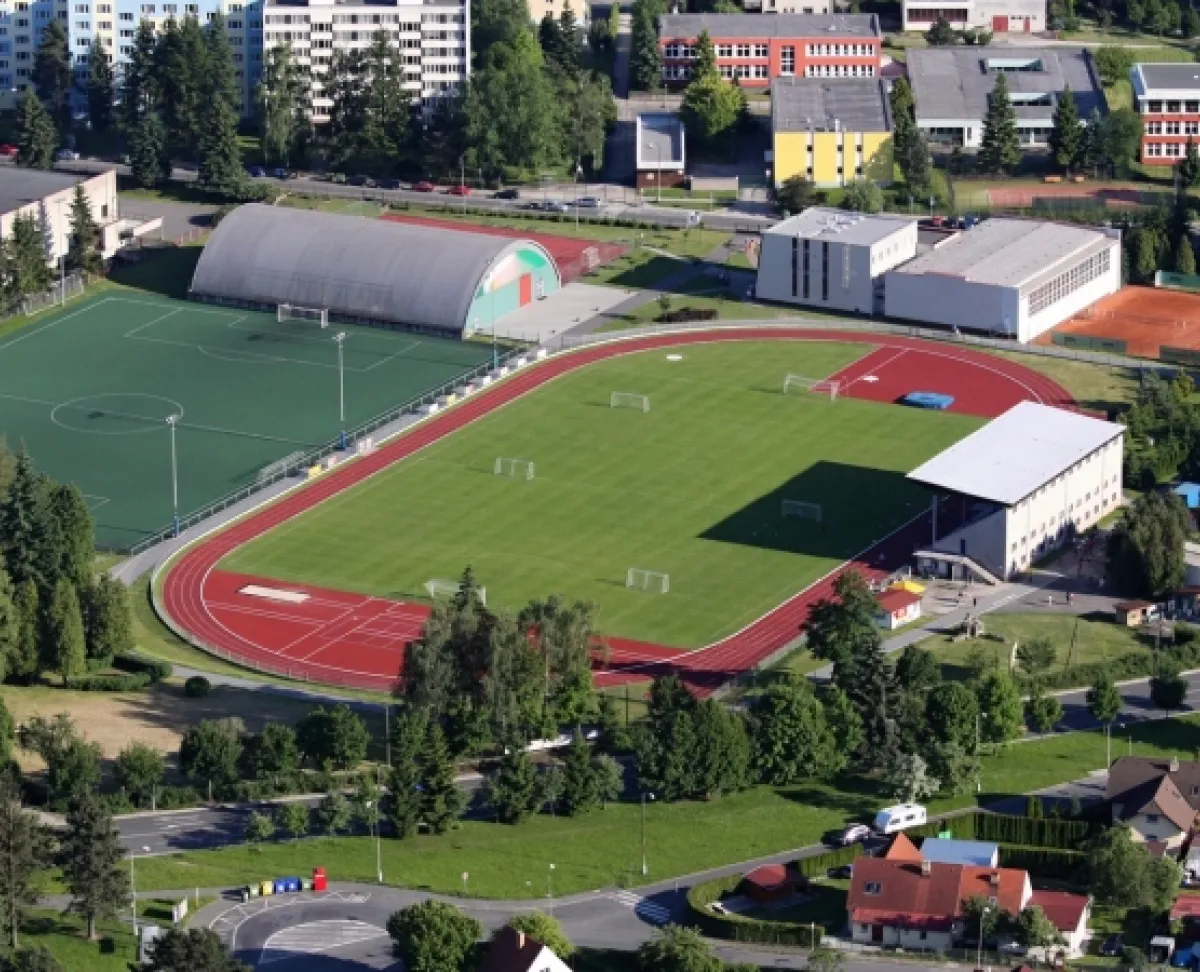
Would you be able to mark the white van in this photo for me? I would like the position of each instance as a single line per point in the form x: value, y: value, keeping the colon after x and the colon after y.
x: 889, y: 820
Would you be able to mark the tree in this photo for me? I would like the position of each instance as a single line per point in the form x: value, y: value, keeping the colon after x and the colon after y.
x: 1188, y: 167
x: 72, y: 765
x: 1036, y: 656
x: 1000, y: 149
x: 93, y: 862
x: 496, y: 21
x: 580, y: 791
x: 1044, y: 711
x: 1066, y: 135
x: 259, y: 827
x: 1122, y: 873
x: 610, y: 777
x: 940, y: 33
x: 901, y: 97
x: 403, y: 804
x: 35, y: 959
x: 795, y: 195
x: 191, y: 950
x: 332, y: 738
x: 843, y: 720
x: 1168, y: 689
x: 281, y: 99
x: 863, y: 197
x: 149, y: 153
x: 272, y: 753
x: 433, y: 936
x: 52, y: 72
x: 333, y: 813
x: 1189, y: 25
x: 1185, y: 256
x: 64, y: 632
x: 139, y: 770
x: 952, y: 714
x: 999, y: 698
x: 387, y: 106
x: 210, y: 752
x: 1113, y: 62
x: 442, y: 801
x: 677, y: 949
x: 24, y: 663
x: 220, y: 154
x: 23, y: 528
x: 24, y: 853
x: 645, y: 60
x: 710, y: 107
x: 1103, y: 699
x: 1092, y: 157
x: 591, y: 111
x: 916, y: 164
x: 545, y: 929
x: 910, y: 780
x: 1121, y: 137
x: 825, y: 959
x: 83, y: 254
x: 1033, y: 929
x: 955, y: 766
x: 70, y: 548
x: 1146, y: 547
x: 139, y: 90
x: 981, y: 918
x: 292, y: 818
x: 99, y: 87
x: 789, y: 737
x: 36, y: 135
x: 107, y: 620
x: 11, y: 622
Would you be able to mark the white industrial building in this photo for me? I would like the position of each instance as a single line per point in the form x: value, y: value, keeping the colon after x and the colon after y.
x: 998, y: 16
x: 1017, y: 488
x: 833, y: 259
x: 1008, y: 277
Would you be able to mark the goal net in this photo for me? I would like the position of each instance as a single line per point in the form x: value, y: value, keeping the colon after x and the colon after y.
x: 821, y: 386
x: 292, y: 312
x: 652, y: 581
x: 806, y: 511
x: 513, y: 468
x: 629, y: 400
x: 444, y: 590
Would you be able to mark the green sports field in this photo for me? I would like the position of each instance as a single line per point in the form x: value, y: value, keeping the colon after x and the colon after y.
x: 691, y: 488
x: 88, y: 391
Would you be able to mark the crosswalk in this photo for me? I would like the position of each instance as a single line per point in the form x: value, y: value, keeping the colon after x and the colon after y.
x: 316, y: 937
x: 649, y: 911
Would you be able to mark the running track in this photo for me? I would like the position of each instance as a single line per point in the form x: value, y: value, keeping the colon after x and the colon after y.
x: 352, y: 640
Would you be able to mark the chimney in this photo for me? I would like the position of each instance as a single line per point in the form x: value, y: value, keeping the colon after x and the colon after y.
x: 926, y: 868
x: 1174, y: 767
x: 994, y: 879
x: 520, y: 939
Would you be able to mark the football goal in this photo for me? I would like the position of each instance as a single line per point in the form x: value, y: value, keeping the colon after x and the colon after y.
x: 629, y: 400
x: 292, y: 312
x: 513, y: 468
x: 444, y: 590
x: 821, y: 386
x: 806, y: 511
x: 652, y: 581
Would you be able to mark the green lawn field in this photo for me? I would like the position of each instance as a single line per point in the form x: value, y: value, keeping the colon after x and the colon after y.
x: 692, y: 488
x: 87, y: 391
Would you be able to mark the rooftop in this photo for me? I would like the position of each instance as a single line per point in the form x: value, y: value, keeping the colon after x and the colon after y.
x: 1016, y: 453
x: 659, y: 141
x: 1062, y: 908
x: 927, y: 895
x: 953, y: 83
x: 1127, y: 773
x: 1009, y: 252
x: 815, y: 104
x: 20, y: 187
x: 1148, y: 78
x: 822, y: 223
x: 773, y: 25
x: 893, y: 600
x: 944, y: 850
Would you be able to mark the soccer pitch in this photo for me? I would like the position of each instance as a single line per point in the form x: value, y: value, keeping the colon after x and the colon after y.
x: 693, y: 488
x: 88, y: 392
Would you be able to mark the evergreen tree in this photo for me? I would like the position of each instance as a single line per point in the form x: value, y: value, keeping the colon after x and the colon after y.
x: 149, y: 153
x: 23, y: 528
x: 1067, y: 135
x: 83, y: 255
x: 1092, y: 156
x: 916, y: 165
x: 901, y: 98
x: 387, y: 108
x: 67, y: 648
x: 403, y: 804
x: 580, y: 792
x: 100, y: 86
x: 721, y: 759
x: 36, y: 135
x: 1188, y: 167
x: 220, y: 155
x: 645, y: 59
x: 108, y: 621
x: 52, y: 73
x: 139, y: 90
x: 71, y: 549
x: 568, y: 32
x: 550, y: 37
x: 92, y: 861
x: 1185, y: 256
x: 175, y: 76
x: 24, y: 853
x: 710, y: 108
x: 512, y: 792
x: 1000, y: 149
x: 940, y: 33
x: 24, y: 664
x: 281, y: 107
x: 441, y: 800
x: 10, y: 627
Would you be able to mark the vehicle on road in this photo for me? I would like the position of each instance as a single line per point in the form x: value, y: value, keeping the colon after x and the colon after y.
x: 8, y: 151
x: 282, y: 173
x: 1111, y: 946
x: 587, y: 202
x: 256, y: 171
x: 890, y: 820
x: 507, y: 194
x: 554, y: 206
x: 854, y: 834
x: 67, y: 155
x: 1012, y: 947
x: 365, y: 182
x: 390, y: 184
x: 459, y: 191
x: 424, y: 187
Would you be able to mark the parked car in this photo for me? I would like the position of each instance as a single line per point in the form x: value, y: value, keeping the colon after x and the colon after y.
x: 459, y: 191
x: 283, y: 173
x: 588, y: 202
x: 1012, y: 947
x: 1112, y: 946
x: 854, y: 834
x: 554, y: 206
x: 8, y: 151
x: 364, y: 182
x: 256, y: 171
x: 66, y: 155
x: 390, y: 184
x: 424, y: 187
x: 507, y: 194
x: 842, y: 872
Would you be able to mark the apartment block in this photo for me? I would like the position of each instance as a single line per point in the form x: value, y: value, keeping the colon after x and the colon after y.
x: 1167, y: 96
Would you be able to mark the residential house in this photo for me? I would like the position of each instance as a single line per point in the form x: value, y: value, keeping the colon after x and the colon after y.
x: 661, y: 153
x: 1157, y: 798
x: 903, y: 849
x: 1069, y: 913
x: 514, y: 951
x: 897, y: 608
x: 945, y: 850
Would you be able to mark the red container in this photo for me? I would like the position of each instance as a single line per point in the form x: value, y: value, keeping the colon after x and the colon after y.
x: 320, y: 881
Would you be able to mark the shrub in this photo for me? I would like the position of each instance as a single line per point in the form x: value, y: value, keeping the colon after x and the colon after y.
x: 109, y: 683
x: 687, y: 314
x: 128, y: 661
x: 197, y: 687
x: 818, y: 864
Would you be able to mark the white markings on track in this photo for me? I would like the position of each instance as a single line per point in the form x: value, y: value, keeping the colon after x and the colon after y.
x: 869, y: 378
x: 648, y: 911
x: 315, y: 938
x: 274, y: 593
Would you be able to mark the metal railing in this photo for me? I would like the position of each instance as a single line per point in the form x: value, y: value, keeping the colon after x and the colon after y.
x: 62, y: 291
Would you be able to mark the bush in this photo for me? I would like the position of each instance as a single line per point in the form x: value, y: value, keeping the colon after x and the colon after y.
x: 818, y: 864
x: 735, y: 927
x: 687, y: 314
x: 197, y: 687
x: 108, y: 683
x: 128, y: 661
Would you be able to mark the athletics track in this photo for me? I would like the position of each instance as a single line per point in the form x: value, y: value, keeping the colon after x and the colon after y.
x: 352, y: 640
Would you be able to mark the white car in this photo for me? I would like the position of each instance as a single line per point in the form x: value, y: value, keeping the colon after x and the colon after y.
x: 854, y: 834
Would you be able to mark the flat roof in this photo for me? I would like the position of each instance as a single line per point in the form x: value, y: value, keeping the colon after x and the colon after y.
x: 1008, y: 252
x: 769, y: 25
x: 838, y: 225
x: 954, y: 83
x: 820, y: 105
x: 1016, y: 453
x: 19, y: 187
x: 659, y: 141
x: 1166, y: 77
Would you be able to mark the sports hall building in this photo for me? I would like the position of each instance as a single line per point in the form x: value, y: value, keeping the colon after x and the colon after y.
x: 1022, y: 486
x: 372, y: 271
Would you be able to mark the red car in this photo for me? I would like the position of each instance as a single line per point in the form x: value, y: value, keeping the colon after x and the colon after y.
x: 8, y: 151
x: 459, y: 191
x: 424, y: 187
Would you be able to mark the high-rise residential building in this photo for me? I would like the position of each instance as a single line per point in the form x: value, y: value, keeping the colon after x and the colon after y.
x: 433, y: 38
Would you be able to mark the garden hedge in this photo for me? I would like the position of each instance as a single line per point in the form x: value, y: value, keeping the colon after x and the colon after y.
x: 1002, y: 828
x: 1044, y: 862
x: 735, y: 927
x: 818, y: 864
x: 131, y: 682
x: 128, y: 661
x: 1185, y: 653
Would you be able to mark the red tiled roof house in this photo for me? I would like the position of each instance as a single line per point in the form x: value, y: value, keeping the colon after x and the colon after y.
x: 897, y: 608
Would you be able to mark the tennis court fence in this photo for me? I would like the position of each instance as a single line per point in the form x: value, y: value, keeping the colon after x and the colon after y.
x: 62, y: 291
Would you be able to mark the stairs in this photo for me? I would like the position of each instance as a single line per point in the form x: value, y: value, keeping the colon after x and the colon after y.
x: 962, y: 560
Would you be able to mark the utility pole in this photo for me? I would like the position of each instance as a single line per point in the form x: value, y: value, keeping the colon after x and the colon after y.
x: 172, y: 421
x: 339, y: 339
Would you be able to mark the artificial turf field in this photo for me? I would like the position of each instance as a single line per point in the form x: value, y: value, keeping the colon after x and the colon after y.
x: 691, y: 488
x: 88, y: 391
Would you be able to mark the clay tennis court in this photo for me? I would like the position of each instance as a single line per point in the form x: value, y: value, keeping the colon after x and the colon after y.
x: 1022, y: 197
x: 1145, y: 318
x: 573, y: 255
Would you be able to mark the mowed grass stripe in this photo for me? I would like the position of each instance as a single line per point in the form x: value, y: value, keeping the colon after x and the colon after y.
x: 691, y: 488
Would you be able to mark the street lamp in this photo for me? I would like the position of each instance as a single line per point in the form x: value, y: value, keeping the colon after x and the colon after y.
x: 338, y: 339
x: 172, y: 421
x: 550, y: 888
x: 645, y: 869
x: 133, y: 889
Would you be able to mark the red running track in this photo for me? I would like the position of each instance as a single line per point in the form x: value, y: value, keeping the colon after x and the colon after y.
x: 352, y: 640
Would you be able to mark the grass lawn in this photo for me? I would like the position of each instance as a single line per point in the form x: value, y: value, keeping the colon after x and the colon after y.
x: 1119, y: 95
x: 691, y: 488
x: 603, y: 848
x: 115, y: 951
x: 727, y: 307
x: 1096, y: 386
x: 1094, y: 641
x: 637, y: 270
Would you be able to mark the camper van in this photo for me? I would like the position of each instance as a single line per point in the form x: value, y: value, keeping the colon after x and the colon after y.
x: 889, y: 820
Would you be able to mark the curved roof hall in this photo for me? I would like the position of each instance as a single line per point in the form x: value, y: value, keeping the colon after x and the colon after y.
x: 355, y: 267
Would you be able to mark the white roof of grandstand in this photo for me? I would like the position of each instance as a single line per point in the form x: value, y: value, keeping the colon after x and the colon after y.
x: 1017, y: 453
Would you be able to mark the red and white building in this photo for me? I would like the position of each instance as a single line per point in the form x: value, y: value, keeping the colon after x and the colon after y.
x: 897, y: 607
x: 756, y: 50
x: 1167, y: 96
x: 998, y: 16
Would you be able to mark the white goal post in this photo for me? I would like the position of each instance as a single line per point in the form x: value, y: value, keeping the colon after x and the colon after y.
x: 806, y: 511
x: 821, y: 386
x: 443, y: 590
x: 629, y: 400
x: 291, y: 312
x: 652, y: 581
x: 513, y: 468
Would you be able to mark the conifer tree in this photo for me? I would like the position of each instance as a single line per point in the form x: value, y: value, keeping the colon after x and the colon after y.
x: 1000, y: 150
x: 441, y: 799
x: 92, y: 861
x: 52, y: 73
x: 66, y: 648
x: 580, y: 790
x: 24, y: 853
x: 1067, y: 135
x: 100, y: 87
x: 83, y: 255
x: 36, y: 134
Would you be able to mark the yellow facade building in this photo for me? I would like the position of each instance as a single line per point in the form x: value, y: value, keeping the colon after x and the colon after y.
x: 831, y: 132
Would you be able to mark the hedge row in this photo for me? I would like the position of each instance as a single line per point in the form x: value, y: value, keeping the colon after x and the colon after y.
x: 737, y: 928
x: 1185, y: 653
x: 134, y: 672
x: 133, y: 662
x: 109, y: 683
x: 1004, y: 828
x: 818, y: 864
x: 1046, y: 862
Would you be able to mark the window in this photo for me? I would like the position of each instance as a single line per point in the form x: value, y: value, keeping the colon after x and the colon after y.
x: 1152, y: 818
x: 1174, y: 107
x: 743, y: 50
x: 760, y: 50
x: 724, y: 50
x: 760, y: 71
x: 1154, y: 107
x: 787, y: 60
x: 1072, y: 280
x: 873, y: 887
